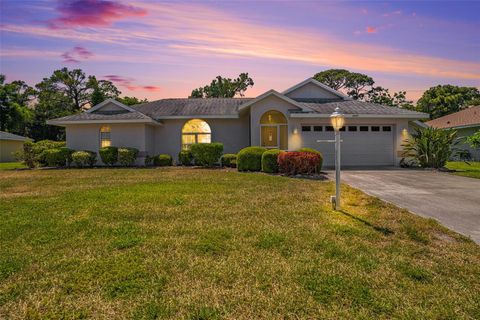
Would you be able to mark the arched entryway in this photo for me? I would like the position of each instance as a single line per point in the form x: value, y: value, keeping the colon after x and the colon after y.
x: 274, y: 130
x: 195, y: 131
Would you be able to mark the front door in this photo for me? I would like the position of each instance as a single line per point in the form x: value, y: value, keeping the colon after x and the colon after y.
x: 270, y: 136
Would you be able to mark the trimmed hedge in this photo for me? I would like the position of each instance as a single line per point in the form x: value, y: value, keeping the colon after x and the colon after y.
x: 292, y: 163
x: 206, y: 154
x: 185, y: 158
x: 109, y: 155
x: 228, y: 160
x: 149, y: 160
x: 58, y: 157
x: 84, y: 158
x: 250, y: 159
x: 39, y: 150
x: 163, y: 160
x: 270, y: 160
x: 127, y: 156
x: 319, y: 167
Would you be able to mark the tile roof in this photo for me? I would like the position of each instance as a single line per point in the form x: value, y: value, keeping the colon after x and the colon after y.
x: 104, y: 116
x: 359, y: 107
x: 10, y: 136
x: 466, y: 117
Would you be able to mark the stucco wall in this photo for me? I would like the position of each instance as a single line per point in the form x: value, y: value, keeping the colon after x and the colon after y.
x: 7, y: 148
x: 311, y: 90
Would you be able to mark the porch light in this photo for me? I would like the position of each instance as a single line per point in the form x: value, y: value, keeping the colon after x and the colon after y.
x: 338, y: 120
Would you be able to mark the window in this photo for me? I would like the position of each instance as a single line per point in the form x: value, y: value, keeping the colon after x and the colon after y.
x: 342, y: 128
x: 306, y: 128
x: 352, y: 128
x: 328, y: 128
x: 195, y: 131
x: 387, y: 128
x: 105, y: 139
x: 363, y: 128
x: 317, y: 128
x: 375, y: 128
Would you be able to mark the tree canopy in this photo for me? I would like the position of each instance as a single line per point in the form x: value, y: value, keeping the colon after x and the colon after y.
x: 221, y: 87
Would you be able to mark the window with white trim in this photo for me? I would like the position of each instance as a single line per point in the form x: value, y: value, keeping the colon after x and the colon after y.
x: 105, y: 136
x: 195, y: 131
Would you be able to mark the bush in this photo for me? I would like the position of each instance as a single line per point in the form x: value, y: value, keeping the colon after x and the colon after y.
x: 292, y: 163
x: 319, y: 167
x: 250, y: 159
x: 149, y: 160
x: 39, y: 150
x: 185, y: 158
x: 26, y: 155
x: 84, y: 158
x: 163, y: 160
x: 127, y: 156
x: 270, y: 160
x: 58, y: 157
x: 228, y: 160
x: 206, y: 154
x: 109, y: 155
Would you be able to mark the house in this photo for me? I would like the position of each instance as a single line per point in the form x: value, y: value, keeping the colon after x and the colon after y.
x: 9, y: 144
x: 297, y: 117
x: 465, y: 122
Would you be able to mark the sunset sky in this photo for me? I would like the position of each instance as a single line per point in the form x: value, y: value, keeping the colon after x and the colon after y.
x: 159, y: 49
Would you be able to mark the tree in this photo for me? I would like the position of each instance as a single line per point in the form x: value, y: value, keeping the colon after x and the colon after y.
x: 382, y: 96
x: 224, y: 87
x: 74, y: 85
x: 354, y: 84
x: 445, y: 99
x: 15, y: 113
x: 474, y: 140
x: 130, y: 101
x: 101, y: 90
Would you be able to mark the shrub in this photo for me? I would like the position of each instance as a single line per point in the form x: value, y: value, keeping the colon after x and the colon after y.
x: 206, y: 154
x: 292, y: 163
x: 39, y: 148
x: 149, y: 160
x: 58, y: 157
x: 163, y: 160
x: 185, y: 157
x: 319, y: 167
x: 84, y: 158
x: 250, y: 159
x: 431, y: 147
x: 26, y: 155
x: 228, y: 160
x: 109, y: 155
x: 127, y: 156
x: 270, y: 160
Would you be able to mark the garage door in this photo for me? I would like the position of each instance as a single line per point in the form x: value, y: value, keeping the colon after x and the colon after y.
x: 362, y: 145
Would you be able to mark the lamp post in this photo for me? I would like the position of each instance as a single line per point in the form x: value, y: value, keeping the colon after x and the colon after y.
x: 337, y: 120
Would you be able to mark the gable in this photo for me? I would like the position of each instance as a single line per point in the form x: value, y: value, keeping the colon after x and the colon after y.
x: 110, y: 107
x: 311, y: 91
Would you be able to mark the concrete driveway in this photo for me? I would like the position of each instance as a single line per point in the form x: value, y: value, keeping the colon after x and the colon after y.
x: 452, y: 200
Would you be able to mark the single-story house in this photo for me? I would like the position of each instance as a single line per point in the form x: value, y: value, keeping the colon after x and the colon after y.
x: 9, y: 144
x: 466, y: 122
x: 297, y: 117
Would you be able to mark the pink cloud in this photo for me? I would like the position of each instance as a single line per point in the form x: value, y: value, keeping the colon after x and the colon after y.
x: 76, y: 55
x: 372, y: 30
x: 81, y: 13
x: 129, y: 83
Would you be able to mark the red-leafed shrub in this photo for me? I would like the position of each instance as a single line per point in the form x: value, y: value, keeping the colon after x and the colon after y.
x: 296, y: 162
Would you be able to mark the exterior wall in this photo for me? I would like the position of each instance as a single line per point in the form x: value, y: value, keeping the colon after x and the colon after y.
x: 233, y: 133
x: 7, y: 148
x: 466, y: 132
x: 311, y: 90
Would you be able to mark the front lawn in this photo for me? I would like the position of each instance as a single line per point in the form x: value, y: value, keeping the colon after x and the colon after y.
x: 11, y: 165
x: 210, y: 244
x: 470, y: 169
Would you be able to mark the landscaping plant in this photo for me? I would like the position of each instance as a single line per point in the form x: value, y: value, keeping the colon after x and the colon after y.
x: 127, y: 156
x: 109, y: 155
x: 319, y: 167
x: 270, y: 160
x: 206, y: 154
x: 431, y: 147
x: 250, y: 159
x: 84, y: 158
x: 293, y: 163
x: 185, y: 158
x: 228, y: 160
x: 58, y: 157
x: 163, y: 160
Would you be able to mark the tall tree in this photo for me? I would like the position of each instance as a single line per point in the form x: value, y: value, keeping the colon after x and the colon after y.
x: 221, y: 87
x: 15, y: 113
x: 445, y: 99
x: 352, y: 83
x: 382, y: 95
x: 101, y: 90
x: 130, y: 101
x: 74, y: 84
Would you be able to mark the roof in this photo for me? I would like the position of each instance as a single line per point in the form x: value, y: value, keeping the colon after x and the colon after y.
x: 105, y: 117
x: 469, y: 117
x: 10, y: 136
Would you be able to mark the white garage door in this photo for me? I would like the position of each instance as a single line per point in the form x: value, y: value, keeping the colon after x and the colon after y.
x: 362, y: 145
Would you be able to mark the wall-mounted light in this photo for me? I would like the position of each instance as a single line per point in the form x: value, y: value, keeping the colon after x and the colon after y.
x: 295, y: 130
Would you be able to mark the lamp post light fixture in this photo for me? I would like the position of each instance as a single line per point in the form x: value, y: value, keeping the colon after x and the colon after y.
x: 337, y: 120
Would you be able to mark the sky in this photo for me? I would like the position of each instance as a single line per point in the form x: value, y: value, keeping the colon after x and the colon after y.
x: 159, y: 49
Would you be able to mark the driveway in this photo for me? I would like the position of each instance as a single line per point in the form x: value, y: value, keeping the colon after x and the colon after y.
x: 452, y: 200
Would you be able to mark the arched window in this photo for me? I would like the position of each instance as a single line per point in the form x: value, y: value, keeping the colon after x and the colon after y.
x: 274, y: 130
x: 105, y: 139
x: 195, y: 131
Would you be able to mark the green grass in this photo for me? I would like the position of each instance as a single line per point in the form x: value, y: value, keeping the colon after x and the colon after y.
x: 185, y: 243
x: 11, y: 165
x: 470, y: 169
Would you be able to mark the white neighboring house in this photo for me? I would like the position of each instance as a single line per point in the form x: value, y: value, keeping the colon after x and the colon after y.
x: 9, y: 144
x: 294, y: 118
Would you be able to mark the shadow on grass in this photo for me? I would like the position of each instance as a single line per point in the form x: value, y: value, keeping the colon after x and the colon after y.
x: 382, y: 230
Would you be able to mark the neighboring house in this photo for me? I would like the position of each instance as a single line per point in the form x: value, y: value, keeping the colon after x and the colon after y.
x: 297, y: 117
x: 9, y: 144
x: 465, y: 122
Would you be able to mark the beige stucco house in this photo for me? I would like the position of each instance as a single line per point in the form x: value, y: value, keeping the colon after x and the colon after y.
x: 297, y: 117
x: 9, y: 144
